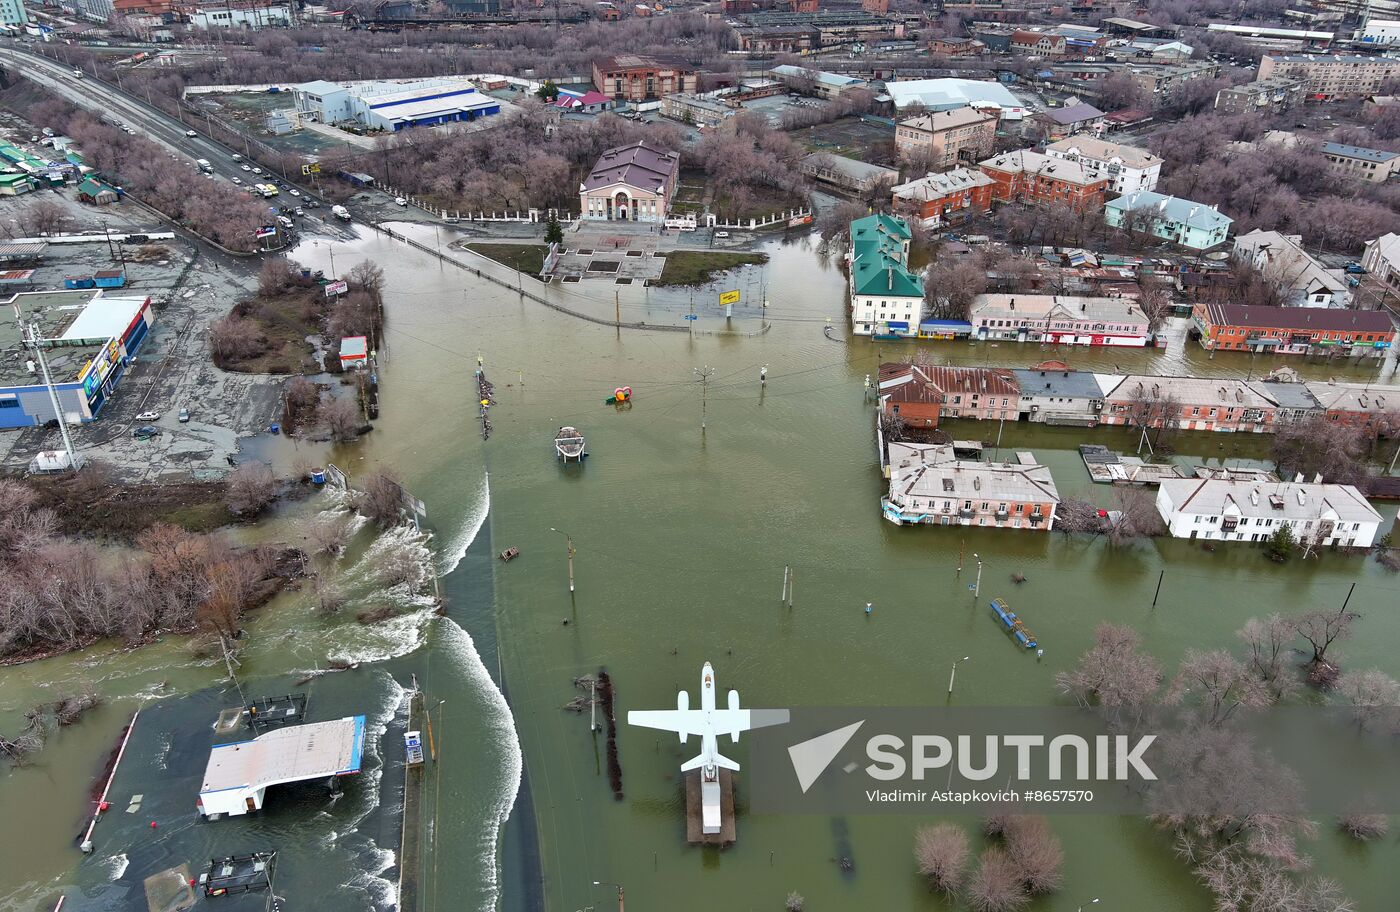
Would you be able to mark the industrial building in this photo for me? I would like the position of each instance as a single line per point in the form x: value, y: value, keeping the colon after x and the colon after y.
x: 391, y: 106
x: 947, y: 94
x: 88, y: 338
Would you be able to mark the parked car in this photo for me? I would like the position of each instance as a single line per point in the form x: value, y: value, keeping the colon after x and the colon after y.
x: 148, y: 416
x: 721, y: 234
x: 184, y: 415
x: 247, y: 167
x: 145, y: 432
x: 401, y: 201
x: 191, y: 133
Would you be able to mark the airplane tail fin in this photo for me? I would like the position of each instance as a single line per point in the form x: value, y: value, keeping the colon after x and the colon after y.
x: 698, y: 762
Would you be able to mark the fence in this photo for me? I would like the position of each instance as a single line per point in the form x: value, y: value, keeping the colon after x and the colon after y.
x: 805, y: 214
x: 519, y: 289
x: 527, y: 216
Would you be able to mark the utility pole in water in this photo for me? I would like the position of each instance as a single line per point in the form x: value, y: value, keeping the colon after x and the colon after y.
x: 703, y: 375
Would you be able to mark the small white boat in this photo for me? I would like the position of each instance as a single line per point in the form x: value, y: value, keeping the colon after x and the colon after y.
x: 568, y: 443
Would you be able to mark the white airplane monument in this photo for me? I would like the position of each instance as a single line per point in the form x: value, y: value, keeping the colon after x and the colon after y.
x: 709, y: 723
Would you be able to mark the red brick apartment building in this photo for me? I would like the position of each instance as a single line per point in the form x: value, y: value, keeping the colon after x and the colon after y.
x: 1039, y: 180
x: 1293, y: 330
x: 921, y: 394
x: 634, y: 77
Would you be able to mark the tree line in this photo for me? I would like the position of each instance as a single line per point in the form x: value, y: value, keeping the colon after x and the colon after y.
x: 219, y: 211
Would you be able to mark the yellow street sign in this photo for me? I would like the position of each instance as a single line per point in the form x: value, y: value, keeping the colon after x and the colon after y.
x: 313, y: 168
x: 729, y: 297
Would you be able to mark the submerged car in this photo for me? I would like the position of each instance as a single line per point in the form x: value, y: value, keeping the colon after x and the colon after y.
x: 145, y: 432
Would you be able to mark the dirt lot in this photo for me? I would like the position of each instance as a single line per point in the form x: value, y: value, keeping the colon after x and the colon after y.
x: 852, y: 137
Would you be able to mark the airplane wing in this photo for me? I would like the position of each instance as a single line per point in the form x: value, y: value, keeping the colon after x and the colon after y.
x: 684, y: 722
x: 732, y: 721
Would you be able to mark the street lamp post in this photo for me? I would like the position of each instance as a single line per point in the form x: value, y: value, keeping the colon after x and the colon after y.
x: 1091, y: 902
x: 607, y: 883
x: 977, y: 589
x: 569, y: 543
x: 954, y: 673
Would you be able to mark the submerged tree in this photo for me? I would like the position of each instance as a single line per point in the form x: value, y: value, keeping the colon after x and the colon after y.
x: 942, y: 853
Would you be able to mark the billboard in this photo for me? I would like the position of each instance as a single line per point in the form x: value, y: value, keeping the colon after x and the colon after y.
x: 729, y: 297
x: 338, y: 287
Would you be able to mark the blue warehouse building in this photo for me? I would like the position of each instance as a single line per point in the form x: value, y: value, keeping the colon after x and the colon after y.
x: 88, y: 338
x: 392, y: 106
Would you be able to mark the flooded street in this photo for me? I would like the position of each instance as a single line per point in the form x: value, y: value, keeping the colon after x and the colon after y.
x: 682, y: 536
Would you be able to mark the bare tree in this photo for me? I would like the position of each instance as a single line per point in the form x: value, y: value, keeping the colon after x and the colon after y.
x: 1316, y: 446
x: 794, y: 902
x: 1374, y: 697
x: 277, y: 274
x: 1035, y: 851
x: 382, y: 500
x: 1268, y: 642
x: 251, y: 488
x: 342, y: 418
x: 1136, y: 516
x: 328, y: 534
x: 1155, y: 303
x: 1114, y: 676
x: 942, y: 854
x: 1363, y: 826
x: 997, y: 885
x: 1218, y: 684
x: 1074, y: 514
x: 952, y: 284
x: 45, y: 218
x: 1323, y: 628
x: 235, y: 339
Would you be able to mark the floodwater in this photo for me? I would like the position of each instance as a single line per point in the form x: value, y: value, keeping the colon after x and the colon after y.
x: 682, y: 534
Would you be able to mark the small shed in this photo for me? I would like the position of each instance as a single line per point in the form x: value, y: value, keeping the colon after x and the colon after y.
x: 95, y: 192
x: 354, y: 352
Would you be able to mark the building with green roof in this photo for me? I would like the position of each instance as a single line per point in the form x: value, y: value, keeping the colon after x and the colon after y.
x: 887, y: 300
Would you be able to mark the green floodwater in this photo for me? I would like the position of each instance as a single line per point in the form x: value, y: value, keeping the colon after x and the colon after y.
x: 681, y: 541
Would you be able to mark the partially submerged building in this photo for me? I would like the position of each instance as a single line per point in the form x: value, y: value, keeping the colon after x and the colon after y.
x: 239, y: 774
x: 887, y: 300
x: 930, y: 485
x: 1223, y: 509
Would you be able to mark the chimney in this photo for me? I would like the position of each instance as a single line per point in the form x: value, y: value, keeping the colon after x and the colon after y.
x: 1317, y: 479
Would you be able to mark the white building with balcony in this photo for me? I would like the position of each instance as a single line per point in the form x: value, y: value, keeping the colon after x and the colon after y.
x: 1127, y: 168
x: 1223, y: 509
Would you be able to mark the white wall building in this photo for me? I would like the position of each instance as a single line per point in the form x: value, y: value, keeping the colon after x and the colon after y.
x: 1127, y: 168
x: 392, y: 106
x: 244, y: 17
x: 1381, y: 31
x: 1222, y: 509
x: 1282, y: 259
x: 1059, y: 319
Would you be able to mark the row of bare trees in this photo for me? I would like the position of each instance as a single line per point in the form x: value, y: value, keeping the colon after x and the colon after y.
x: 58, y: 593
x: 1233, y: 812
x: 1023, y: 862
x: 218, y: 210
x: 1285, y: 188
